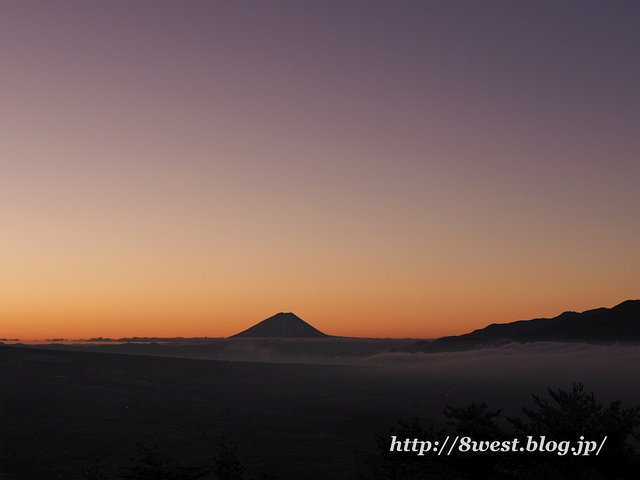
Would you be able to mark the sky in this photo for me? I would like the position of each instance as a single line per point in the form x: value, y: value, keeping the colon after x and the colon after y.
x: 381, y: 169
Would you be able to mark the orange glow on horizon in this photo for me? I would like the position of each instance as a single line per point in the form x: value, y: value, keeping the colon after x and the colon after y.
x: 197, y: 167
x: 379, y: 324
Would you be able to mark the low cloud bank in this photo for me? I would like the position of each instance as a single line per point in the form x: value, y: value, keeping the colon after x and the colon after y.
x: 497, y: 376
x: 507, y: 375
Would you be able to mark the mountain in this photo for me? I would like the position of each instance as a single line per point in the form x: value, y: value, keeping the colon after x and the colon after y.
x: 620, y: 324
x: 283, y: 324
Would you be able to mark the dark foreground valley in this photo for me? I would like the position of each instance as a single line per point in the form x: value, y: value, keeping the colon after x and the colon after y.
x: 81, y: 415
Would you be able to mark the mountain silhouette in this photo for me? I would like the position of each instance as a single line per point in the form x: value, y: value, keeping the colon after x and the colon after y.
x: 620, y: 324
x: 283, y: 324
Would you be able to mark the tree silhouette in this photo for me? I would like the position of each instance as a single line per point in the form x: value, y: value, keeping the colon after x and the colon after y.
x: 226, y: 463
x: 95, y: 472
x: 577, y: 415
x: 153, y: 463
x: 475, y: 421
x: 268, y: 471
x: 394, y: 465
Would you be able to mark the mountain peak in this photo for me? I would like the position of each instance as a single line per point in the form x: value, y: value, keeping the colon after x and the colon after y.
x: 283, y: 324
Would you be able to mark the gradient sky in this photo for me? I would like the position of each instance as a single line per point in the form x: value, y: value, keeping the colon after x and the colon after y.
x: 379, y: 168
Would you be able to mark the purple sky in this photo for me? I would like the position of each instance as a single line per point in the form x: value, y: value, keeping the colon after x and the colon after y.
x: 379, y: 168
